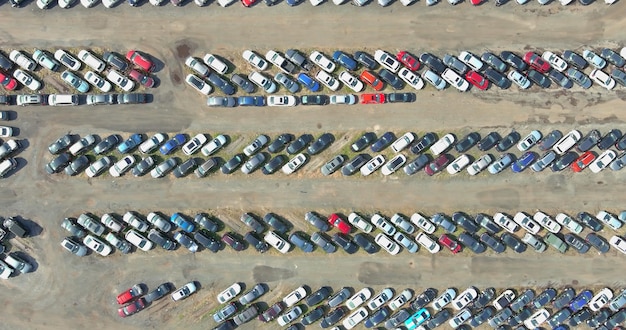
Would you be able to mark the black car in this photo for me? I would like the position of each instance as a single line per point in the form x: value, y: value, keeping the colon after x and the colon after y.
x: 538, y: 78
x: 564, y: 161
x: 588, y: 141
x: 77, y: 166
x: 465, y: 221
x: 365, y: 243
x: 580, y: 317
x: 559, y: 317
x: 355, y: 164
x: 390, y: 78
x: 400, y: 97
x: 256, y: 242
x: 497, y: 78
x: 501, y: 317
x: 574, y: 59
x: 424, y: 143
x: 514, y: 60
x: 589, y: 221
x: 455, y: 64
x: 363, y: 142
x: 619, y: 76
x: 467, y: 142
x: 520, y: 317
x: 577, y: 243
x: 486, y: 222
x: 508, y: 141
x: 107, y: 144
x: 489, y: 141
x: 560, y: 79
x: 416, y: 164
x: 58, y: 163
x: 115, y: 60
x: 221, y: 83
x: 621, y: 144
x: 494, y: 61
x: 322, y: 143
x: 599, y: 318
x: 299, y: 144
x: 383, y: 142
x: 318, y: 296
x: 377, y: 317
x: 397, y: 319
x: 612, y: 57
x: 143, y: 167
x: 132, y: 98
x: 366, y: 60
x: 161, y: 240
x: 433, y: 62
x: 522, y: 300
x: 313, y: 316
x: 207, y: 240
x: 484, y: 298
x: 243, y: 83
x: 549, y: 140
x: 274, y: 164
x: 185, y: 168
x: 424, y: 299
x: 231, y: 165
x: 481, y: 317
x: 438, y: 319
x: 544, y: 298
x: 206, y: 222
x: 610, y: 139
x: 158, y: 293
x: 345, y: 242
x: 492, y: 242
x: 313, y: 100
x: 470, y: 242
x: 61, y: 144
x: 597, y: 242
x: 333, y: 317
x: 564, y: 298
x: 273, y: 221
x: 616, y: 319
x: 513, y: 242
x: 280, y: 142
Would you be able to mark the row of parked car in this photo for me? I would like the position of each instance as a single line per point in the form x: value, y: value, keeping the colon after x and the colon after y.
x: 14, y: 262
x: 123, y: 72
x: 519, y: 309
x: 136, y: 298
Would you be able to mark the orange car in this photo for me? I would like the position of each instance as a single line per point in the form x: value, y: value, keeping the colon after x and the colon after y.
x: 371, y: 79
x: 583, y: 161
x: 372, y: 98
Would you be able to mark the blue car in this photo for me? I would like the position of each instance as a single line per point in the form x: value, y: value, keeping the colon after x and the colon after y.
x: 345, y: 60
x: 173, y: 144
x: 251, y: 101
x: 580, y: 301
x: 308, y: 82
x: 131, y: 143
x: 523, y: 162
x: 183, y: 224
x: 417, y: 319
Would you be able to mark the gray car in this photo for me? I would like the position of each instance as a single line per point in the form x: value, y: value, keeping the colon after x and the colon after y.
x: 339, y: 297
x: 325, y: 243
x: 60, y: 144
x: 333, y: 165
x: 494, y: 61
x: 442, y: 221
x: 355, y: 164
x: 221, y: 101
x: 300, y: 241
x: 252, y: 295
x: 299, y: 59
x: 317, y: 221
x: 164, y: 168
x: 253, y: 163
x: 242, y: 83
x: 290, y: 84
x: 578, y: 77
x: 544, y: 161
x: 77, y: 166
x: 455, y: 64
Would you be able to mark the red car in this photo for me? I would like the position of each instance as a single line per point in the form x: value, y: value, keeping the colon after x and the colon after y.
x: 477, y: 80
x: 130, y: 294
x: 372, y: 98
x: 8, y: 82
x: 140, y: 60
x: 371, y: 79
x: 437, y: 165
x: 141, y: 78
x: 132, y: 308
x: 248, y: 3
x: 536, y: 62
x: 450, y: 243
x: 341, y: 224
x: 583, y: 161
x: 476, y: 2
x: 408, y: 60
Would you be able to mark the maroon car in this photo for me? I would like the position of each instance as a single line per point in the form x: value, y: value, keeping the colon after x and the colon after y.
x: 272, y: 312
x: 132, y: 308
x: 536, y: 62
x: 437, y: 165
x: 232, y: 241
x: 451, y: 244
x: 141, y: 78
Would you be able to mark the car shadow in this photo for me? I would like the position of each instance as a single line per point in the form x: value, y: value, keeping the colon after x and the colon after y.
x: 33, y: 228
x: 29, y: 259
x: 21, y: 163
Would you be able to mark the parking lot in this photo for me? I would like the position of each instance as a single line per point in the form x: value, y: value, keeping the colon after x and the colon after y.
x: 69, y: 292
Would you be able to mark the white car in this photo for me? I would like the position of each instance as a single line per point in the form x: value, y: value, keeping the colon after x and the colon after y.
x: 120, y: 81
x: 423, y: 223
x: 95, y: 80
x: 411, y: 78
x: 255, y: 60
x: 98, y: 166
x: 281, y: 100
x: 5, y: 270
x: 507, y: 295
x: 428, y: 243
x: 472, y: 61
x: 609, y: 220
x: 65, y: 3
x: 68, y: 60
x: 276, y: 242
x: 82, y: 145
x: 460, y: 318
x: 387, y: 244
x: 184, y: 292
x: 569, y: 223
x: 351, y: 81
x: 546, y: 222
x: 22, y: 60
x: 279, y: 61
x: 289, y: 316
x: 322, y: 61
x: 197, y: 66
x: 403, y: 142
x: 159, y: 222
x: 519, y: 79
x: 122, y: 166
x: 382, y: 224
x: 380, y: 299
x: 229, y: 293
x: 458, y: 164
x: 602, y: 161
x: 97, y: 245
x: 567, y: 142
x: 393, y: 165
x: 328, y: 80
x: 387, y: 61
x: 400, y: 222
x: 110, y: 3
x: 453, y: 78
x: 294, y: 296
x: 480, y: 164
x: 216, y: 144
x: 294, y: 164
x: 152, y: 143
x: 111, y: 223
x: 401, y: 299
x: 527, y: 223
x: 359, y: 298
x: 263, y: 82
x: 215, y: 63
x: 464, y: 298
x: 505, y: 222
x: 602, y: 79
x: 556, y: 62
x: 372, y: 165
x: 444, y: 299
x: 88, y: 3
x: 348, y: 99
x: 358, y: 221
x: 133, y: 220
x: 530, y: 140
x: 537, y: 319
x: 198, y: 84
x: 91, y: 60
x: 442, y: 144
x: 600, y: 299
x: 194, y: 144
x: 355, y: 318
x: 26, y: 79
x: 138, y: 240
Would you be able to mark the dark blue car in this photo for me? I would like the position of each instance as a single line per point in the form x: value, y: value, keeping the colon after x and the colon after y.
x: 131, y: 143
x: 345, y: 60
x: 308, y: 82
x: 251, y: 101
x: 383, y: 142
x: 523, y: 162
x: 173, y: 144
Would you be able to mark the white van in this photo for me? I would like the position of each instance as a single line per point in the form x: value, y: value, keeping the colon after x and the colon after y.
x: 62, y: 99
x: 91, y: 60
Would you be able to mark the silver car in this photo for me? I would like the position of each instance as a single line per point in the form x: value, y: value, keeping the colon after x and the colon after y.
x: 164, y: 168
x: 253, y: 163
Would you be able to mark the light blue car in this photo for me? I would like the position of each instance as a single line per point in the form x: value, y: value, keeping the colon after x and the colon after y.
x: 74, y: 81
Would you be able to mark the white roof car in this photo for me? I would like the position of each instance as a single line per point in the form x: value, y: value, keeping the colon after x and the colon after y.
x: 401, y: 299
x: 411, y: 78
x: 358, y: 221
x: 602, y: 161
x: 152, y: 143
x: 427, y: 226
x: 343, y: 99
x: 215, y: 63
x: 567, y: 142
x: 22, y: 60
x: 122, y: 166
x: 442, y: 144
x: 480, y: 164
x: 184, y: 291
x: 322, y: 61
x: 194, y: 144
x: 458, y: 164
x: 393, y: 164
x: 97, y: 81
x: 351, y: 81
x: 546, y: 222
x: 428, y: 243
x: 229, y: 293
x: 387, y: 244
x: 455, y: 80
x: 404, y: 225
x: 505, y: 222
x: 82, y: 144
x: 110, y: 3
x: 386, y: 60
x: 382, y: 224
x: 355, y: 318
x: 537, y: 319
x: 508, y: 295
x: 198, y: 84
x: 600, y: 299
x: 294, y: 296
x: 472, y: 61
x: 281, y: 100
x: 197, y: 66
x: 294, y: 164
x: 526, y: 222
x: 277, y: 242
x: 120, y: 81
x: 403, y: 142
x: 17, y: 263
x: 159, y: 222
x: 279, y: 61
x: 609, y: 220
x: 594, y: 59
x: 359, y: 298
x: 255, y: 60
x: 380, y: 299
x: 138, y: 240
x: 556, y: 62
x: 5, y: 270
x: 98, y: 166
x: 530, y: 140
x: 372, y: 165
x: 214, y: 145
x: 289, y: 316
x: 602, y: 79
x: 460, y: 318
x: 328, y: 80
x: 132, y: 219
x: 44, y: 4
x: 62, y: 100
x: 263, y: 82
x: 444, y: 299
x: 26, y: 79
x: 91, y: 60
x: 111, y: 223
x: 434, y: 79
x: 68, y: 60
x: 464, y: 298
x: 519, y: 79
x: 97, y: 245
x: 569, y: 223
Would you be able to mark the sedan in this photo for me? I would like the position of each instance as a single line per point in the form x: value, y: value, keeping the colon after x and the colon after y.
x: 98, y: 166
x: 536, y: 62
x: 477, y: 80
x: 555, y: 61
x: 164, y: 168
x: 391, y: 79
x: 26, y: 79
x: 58, y: 163
x: 593, y: 58
x: 538, y: 78
x: 519, y: 79
x: 492, y: 242
x: 321, y: 144
x: 173, y: 144
x: 494, y: 61
x: 281, y: 101
x: 523, y: 162
x: 560, y: 79
x: 73, y: 80
x: 508, y: 141
x: 351, y: 81
x: 602, y: 161
x: 119, y: 80
x: 467, y: 142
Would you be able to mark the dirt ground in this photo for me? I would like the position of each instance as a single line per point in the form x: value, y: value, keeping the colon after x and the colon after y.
x: 69, y: 292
